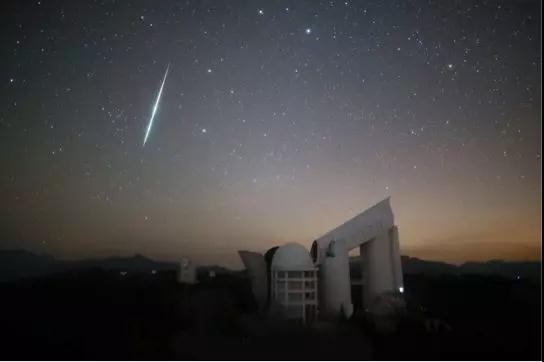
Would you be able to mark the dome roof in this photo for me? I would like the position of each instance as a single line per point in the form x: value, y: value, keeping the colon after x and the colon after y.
x: 292, y: 256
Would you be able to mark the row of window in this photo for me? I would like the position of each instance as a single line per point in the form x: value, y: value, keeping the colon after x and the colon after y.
x: 296, y: 297
x: 295, y: 274
x: 295, y: 285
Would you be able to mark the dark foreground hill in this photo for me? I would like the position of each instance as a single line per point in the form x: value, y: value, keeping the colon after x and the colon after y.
x: 99, y: 314
x: 507, y: 269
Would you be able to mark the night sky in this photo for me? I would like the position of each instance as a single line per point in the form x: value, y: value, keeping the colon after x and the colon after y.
x: 277, y: 122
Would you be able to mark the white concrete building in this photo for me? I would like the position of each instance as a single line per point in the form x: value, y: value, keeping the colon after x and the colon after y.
x: 294, y: 282
x: 375, y: 234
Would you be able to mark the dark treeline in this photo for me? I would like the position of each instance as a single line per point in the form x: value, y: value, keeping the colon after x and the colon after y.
x: 97, y: 314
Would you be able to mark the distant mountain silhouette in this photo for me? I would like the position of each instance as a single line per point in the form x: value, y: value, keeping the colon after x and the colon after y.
x: 508, y: 269
x: 203, y: 271
x: 417, y: 266
x: 17, y: 264
x: 527, y: 269
x: 137, y: 263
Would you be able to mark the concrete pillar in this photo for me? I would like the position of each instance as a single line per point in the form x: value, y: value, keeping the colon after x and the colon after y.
x: 397, y: 262
x: 256, y: 267
x: 334, y: 280
x: 381, y: 265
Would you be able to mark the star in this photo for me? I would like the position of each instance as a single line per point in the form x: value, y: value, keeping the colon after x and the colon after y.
x: 345, y: 100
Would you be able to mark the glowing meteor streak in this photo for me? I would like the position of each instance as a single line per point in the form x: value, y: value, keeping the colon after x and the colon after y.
x: 155, y: 106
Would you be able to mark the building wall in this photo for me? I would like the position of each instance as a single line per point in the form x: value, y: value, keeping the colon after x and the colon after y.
x: 296, y: 292
x: 382, y: 271
x: 256, y: 267
x: 334, y: 281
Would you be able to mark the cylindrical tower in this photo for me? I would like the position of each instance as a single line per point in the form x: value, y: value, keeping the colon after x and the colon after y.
x: 334, y: 282
x: 382, y: 271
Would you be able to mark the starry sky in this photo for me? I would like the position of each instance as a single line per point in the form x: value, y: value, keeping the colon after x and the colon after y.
x: 278, y: 121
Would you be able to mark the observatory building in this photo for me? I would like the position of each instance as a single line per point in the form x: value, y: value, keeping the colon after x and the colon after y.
x: 304, y: 284
x: 293, y: 282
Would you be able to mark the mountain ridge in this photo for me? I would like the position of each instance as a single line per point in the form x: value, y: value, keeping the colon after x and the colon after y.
x: 19, y: 263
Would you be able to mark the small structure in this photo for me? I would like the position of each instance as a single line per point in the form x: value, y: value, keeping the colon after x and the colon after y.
x: 187, y: 271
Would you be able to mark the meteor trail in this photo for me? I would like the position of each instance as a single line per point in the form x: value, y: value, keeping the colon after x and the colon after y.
x: 155, y: 106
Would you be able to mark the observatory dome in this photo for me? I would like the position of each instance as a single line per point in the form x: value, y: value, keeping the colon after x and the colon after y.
x: 292, y: 256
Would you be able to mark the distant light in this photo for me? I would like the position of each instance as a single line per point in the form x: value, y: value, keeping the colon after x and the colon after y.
x: 401, y: 289
x: 153, y: 271
x: 204, y: 130
x: 308, y: 31
x: 261, y: 12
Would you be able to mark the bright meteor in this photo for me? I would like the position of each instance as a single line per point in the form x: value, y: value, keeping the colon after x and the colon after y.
x: 155, y: 106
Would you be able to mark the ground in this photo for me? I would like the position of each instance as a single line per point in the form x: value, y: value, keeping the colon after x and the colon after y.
x: 98, y: 315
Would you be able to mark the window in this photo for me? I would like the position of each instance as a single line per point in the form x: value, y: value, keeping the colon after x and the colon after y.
x: 294, y: 285
x: 295, y: 297
x: 294, y: 274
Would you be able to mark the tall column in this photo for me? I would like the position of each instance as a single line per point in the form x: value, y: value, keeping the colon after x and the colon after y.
x: 364, y: 274
x: 397, y: 262
x: 381, y: 266
x: 335, y: 281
